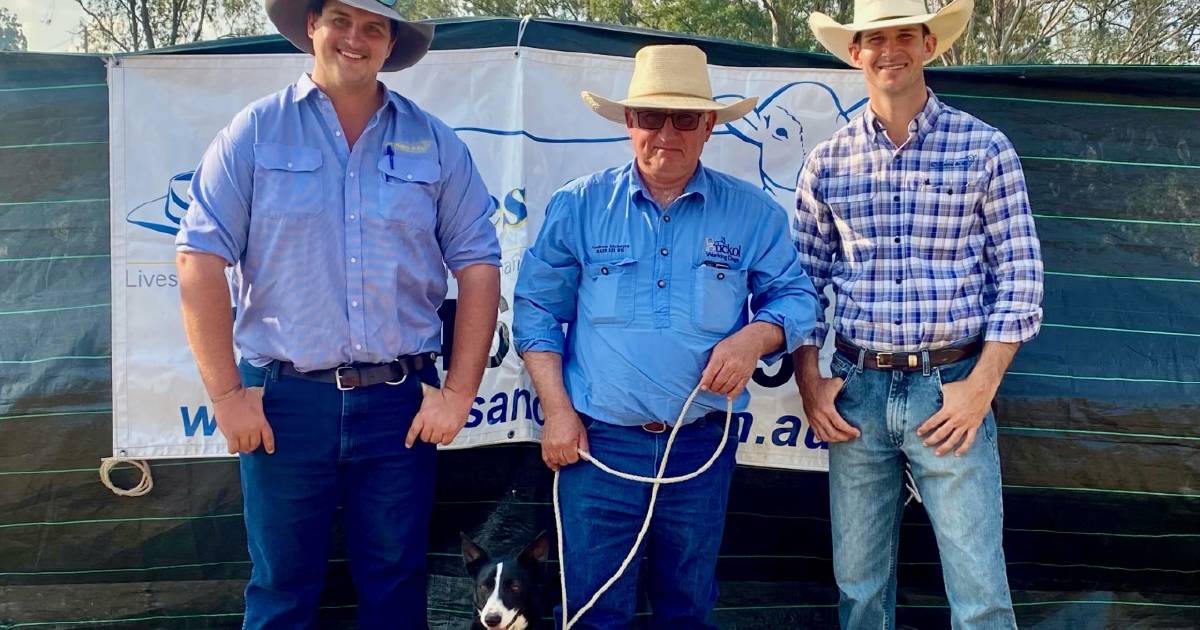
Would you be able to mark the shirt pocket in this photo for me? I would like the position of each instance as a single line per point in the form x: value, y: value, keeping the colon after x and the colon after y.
x: 719, y: 298
x: 605, y: 284
x: 287, y: 180
x: 946, y: 212
x: 408, y: 190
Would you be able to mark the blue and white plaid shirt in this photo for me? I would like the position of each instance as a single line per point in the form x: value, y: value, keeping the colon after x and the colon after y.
x: 926, y: 244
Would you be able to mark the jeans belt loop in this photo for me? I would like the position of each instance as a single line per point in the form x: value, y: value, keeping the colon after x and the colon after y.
x: 925, y: 367
x: 862, y: 360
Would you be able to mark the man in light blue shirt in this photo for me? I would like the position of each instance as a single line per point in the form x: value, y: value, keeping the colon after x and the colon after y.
x: 343, y: 204
x: 649, y: 266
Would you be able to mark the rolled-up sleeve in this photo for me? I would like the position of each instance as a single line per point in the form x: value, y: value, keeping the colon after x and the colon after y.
x: 544, y: 298
x: 218, y: 216
x: 1012, y: 252
x: 464, y: 226
x: 816, y: 244
x: 781, y: 293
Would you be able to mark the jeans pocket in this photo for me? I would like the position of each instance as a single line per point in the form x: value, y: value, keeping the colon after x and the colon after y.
x: 842, y: 368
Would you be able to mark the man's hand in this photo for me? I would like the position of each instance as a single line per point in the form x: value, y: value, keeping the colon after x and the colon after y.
x: 818, y: 393
x: 563, y: 436
x: 241, y: 420
x: 733, y: 360
x: 442, y: 415
x: 964, y: 406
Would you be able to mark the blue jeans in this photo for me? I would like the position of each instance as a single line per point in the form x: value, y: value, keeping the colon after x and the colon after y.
x: 602, y: 514
x: 334, y: 449
x: 961, y: 496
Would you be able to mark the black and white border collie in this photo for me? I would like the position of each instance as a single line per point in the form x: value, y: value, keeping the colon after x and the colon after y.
x: 505, y: 595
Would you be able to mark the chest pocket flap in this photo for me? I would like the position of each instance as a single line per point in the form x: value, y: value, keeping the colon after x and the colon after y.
x: 286, y: 157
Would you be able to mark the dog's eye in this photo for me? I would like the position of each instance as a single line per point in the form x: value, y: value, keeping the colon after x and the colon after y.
x: 514, y: 587
x: 484, y: 588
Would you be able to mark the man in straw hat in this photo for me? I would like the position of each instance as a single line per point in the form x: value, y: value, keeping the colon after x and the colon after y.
x: 343, y: 204
x: 650, y: 264
x: 916, y: 214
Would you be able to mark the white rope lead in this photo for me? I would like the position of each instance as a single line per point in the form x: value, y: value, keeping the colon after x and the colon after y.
x: 657, y: 481
x: 143, y: 487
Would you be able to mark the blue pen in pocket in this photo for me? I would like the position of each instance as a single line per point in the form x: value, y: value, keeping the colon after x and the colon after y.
x: 391, y: 154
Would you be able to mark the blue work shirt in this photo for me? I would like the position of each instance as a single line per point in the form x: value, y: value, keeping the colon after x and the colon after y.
x: 646, y: 292
x: 343, y: 252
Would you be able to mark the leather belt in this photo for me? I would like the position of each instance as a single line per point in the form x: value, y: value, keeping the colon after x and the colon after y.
x: 348, y: 377
x: 909, y: 361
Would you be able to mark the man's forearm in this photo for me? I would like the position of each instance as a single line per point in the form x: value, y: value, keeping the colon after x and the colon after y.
x: 208, y: 319
x: 545, y: 368
x: 804, y: 360
x: 766, y: 336
x: 993, y: 363
x: 474, y: 326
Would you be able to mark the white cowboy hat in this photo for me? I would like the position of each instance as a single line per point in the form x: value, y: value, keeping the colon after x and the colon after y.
x: 412, y: 38
x: 947, y: 24
x: 669, y: 77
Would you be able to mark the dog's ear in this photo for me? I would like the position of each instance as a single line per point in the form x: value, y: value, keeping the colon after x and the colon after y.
x: 536, y: 551
x: 473, y: 555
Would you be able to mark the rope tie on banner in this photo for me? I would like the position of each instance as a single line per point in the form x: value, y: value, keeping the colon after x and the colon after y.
x: 657, y: 481
x: 521, y: 32
x: 143, y: 487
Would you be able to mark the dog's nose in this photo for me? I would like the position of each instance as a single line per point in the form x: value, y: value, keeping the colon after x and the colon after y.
x: 492, y: 620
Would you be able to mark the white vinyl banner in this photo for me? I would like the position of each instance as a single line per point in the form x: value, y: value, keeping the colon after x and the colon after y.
x: 520, y: 113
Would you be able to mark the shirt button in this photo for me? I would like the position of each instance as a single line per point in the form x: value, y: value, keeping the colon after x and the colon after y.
x: 289, y: 165
x: 663, y: 251
x: 351, y: 173
x: 352, y: 217
x: 721, y: 276
x: 358, y: 346
x: 897, y: 322
x: 898, y: 281
x: 666, y: 218
x: 337, y: 133
x: 604, y: 271
x: 354, y: 260
x: 896, y: 198
x: 354, y: 303
x: 662, y: 284
x: 897, y: 239
x: 409, y: 176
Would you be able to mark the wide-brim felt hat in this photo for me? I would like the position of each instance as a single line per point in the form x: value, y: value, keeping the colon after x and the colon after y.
x: 672, y: 77
x: 412, y: 38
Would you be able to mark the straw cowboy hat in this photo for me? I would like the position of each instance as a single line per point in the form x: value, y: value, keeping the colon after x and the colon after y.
x: 947, y: 25
x: 412, y: 39
x: 669, y: 77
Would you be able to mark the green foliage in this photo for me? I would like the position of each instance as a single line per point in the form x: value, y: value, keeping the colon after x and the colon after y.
x: 12, y: 36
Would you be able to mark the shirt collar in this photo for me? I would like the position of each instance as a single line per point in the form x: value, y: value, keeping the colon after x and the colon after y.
x: 921, y: 125
x: 305, y: 88
x: 698, y: 184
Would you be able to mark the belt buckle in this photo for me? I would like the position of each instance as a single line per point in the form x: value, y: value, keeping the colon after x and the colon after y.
x: 337, y: 377
x: 658, y: 427
x: 883, y: 359
x: 403, y: 378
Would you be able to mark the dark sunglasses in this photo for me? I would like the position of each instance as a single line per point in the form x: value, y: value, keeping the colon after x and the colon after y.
x: 683, y: 121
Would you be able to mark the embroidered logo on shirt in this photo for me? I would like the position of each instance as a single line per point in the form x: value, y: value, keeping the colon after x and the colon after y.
x: 610, y: 248
x: 411, y: 147
x: 956, y: 164
x: 722, y: 250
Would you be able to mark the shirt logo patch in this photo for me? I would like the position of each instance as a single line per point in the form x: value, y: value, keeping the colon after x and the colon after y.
x: 950, y: 165
x: 610, y: 248
x: 411, y: 147
x: 722, y: 250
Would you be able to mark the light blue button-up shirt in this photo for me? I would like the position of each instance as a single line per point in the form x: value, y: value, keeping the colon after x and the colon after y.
x: 343, y: 252
x: 645, y: 293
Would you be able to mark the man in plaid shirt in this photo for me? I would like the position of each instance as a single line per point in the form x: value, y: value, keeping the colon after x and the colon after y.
x: 916, y: 216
